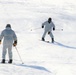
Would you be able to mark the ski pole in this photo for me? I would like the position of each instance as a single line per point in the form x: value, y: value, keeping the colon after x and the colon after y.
x: 19, y: 55
x: 59, y: 29
x: 36, y: 28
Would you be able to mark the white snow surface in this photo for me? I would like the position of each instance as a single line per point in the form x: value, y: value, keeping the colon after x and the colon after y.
x: 40, y: 58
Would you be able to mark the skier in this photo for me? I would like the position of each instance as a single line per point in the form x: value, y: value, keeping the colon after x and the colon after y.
x: 48, y: 28
x: 10, y: 39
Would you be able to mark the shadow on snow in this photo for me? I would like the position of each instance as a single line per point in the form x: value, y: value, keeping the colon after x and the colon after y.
x: 60, y: 44
x: 34, y: 67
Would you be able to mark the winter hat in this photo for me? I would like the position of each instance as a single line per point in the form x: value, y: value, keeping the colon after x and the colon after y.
x: 8, y: 25
x: 49, y: 20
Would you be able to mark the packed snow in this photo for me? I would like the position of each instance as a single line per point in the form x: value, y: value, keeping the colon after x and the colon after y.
x: 40, y: 58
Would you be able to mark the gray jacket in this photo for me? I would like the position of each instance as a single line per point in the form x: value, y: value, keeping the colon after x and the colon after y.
x: 9, y: 36
x: 48, y: 26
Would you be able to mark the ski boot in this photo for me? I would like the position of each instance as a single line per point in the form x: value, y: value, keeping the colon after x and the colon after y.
x: 3, y: 61
x: 43, y: 39
x: 10, y: 61
x: 52, y: 40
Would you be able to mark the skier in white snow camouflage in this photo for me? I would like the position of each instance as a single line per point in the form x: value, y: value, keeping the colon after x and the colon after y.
x: 9, y: 38
x: 49, y: 26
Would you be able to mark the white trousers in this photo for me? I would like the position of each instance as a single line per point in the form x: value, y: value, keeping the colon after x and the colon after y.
x: 5, y: 49
x: 51, y: 35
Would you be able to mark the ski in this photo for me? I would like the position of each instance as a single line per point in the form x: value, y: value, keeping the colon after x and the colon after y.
x: 13, y: 63
x: 45, y: 41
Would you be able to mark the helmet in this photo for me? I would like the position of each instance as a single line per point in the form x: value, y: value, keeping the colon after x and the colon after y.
x: 8, y: 25
x: 49, y: 20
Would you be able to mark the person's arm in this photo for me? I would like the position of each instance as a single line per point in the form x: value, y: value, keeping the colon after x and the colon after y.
x: 15, y: 39
x: 53, y: 26
x: 1, y: 36
x: 43, y: 24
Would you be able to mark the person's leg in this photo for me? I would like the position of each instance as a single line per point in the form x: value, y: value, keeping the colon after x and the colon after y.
x: 4, y: 54
x: 10, y: 54
x: 44, y: 34
x: 52, y: 37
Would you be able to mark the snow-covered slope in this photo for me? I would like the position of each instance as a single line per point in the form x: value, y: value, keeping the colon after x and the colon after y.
x: 40, y: 58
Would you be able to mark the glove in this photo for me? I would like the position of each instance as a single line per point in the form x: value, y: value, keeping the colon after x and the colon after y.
x: 53, y: 28
x: 0, y: 41
x: 42, y: 26
x: 15, y: 43
x: 49, y: 32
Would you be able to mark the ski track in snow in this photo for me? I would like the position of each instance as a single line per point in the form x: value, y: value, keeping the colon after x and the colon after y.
x: 40, y: 58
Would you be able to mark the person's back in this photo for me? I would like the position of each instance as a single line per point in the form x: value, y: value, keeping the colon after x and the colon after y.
x: 10, y: 39
x: 8, y: 35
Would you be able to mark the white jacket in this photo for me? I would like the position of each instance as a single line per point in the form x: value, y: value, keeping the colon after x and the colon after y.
x: 48, y: 26
x: 9, y: 36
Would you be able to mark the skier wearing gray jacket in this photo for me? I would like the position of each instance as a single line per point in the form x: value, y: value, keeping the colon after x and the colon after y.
x: 9, y: 38
x: 49, y: 26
